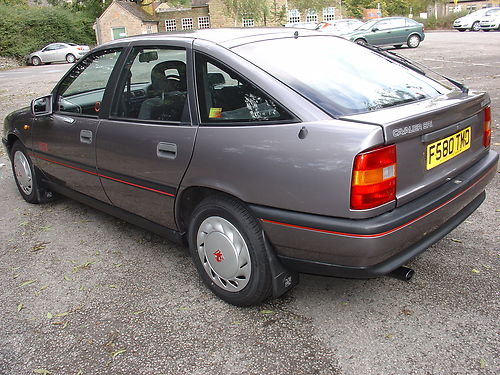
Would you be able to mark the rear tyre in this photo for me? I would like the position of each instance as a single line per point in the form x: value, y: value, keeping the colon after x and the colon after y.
x: 35, y: 61
x: 461, y: 30
x: 24, y: 174
x: 70, y: 58
x: 361, y: 42
x: 228, y: 250
x: 413, y: 41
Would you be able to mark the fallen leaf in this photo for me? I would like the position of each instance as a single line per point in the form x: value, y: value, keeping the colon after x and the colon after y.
x: 139, y: 312
x: 236, y: 323
x: 24, y: 223
x: 118, y: 265
x: 27, y: 283
x: 41, y: 371
x: 475, y: 271
x: 455, y: 240
x: 39, y: 246
x: 48, y: 227
x: 49, y: 315
x: 16, y: 276
x: 113, y: 286
x: 482, y: 363
x: 67, y: 278
x: 62, y: 314
x: 97, y: 252
x: 266, y: 312
x: 20, y: 307
x: 118, y: 352
x: 389, y: 336
x: 15, y: 268
x: 43, y: 287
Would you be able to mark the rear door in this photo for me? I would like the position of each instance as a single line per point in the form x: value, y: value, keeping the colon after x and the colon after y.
x: 145, y: 146
x: 64, y: 143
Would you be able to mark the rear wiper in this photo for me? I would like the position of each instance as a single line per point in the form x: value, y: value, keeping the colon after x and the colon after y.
x: 413, y: 65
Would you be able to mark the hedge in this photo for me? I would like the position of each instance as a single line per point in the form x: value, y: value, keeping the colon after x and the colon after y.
x: 27, y: 29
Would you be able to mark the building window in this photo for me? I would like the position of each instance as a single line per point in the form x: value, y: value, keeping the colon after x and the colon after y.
x: 150, y: 29
x: 118, y: 32
x: 248, y: 22
x: 293, y: 16
x: 328, y: 14
x: 312, y: 16
x: 187, y: 24
x: 203, y: 22
x: 170, y: 25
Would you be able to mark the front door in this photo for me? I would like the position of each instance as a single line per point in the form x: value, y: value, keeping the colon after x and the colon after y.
x: 64, y: 143
x: 145, y: 146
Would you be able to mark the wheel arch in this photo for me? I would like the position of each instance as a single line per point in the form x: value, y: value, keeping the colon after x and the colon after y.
x: 11, y: 139
x: 189, y: 198
x: 412, y: 34
x: 37, y: 56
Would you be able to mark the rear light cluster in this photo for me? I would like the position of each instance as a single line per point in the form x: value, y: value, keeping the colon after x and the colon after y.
x: 80, y: 49
x: 487, y: 127
x: 374, y: 178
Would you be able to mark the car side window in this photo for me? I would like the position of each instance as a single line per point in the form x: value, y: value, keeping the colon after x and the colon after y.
x: 224, y: 96
x: 153, y: 85
x: 82, y: 90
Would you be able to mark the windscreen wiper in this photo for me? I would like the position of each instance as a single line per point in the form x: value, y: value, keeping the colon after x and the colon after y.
x: 413, y: 65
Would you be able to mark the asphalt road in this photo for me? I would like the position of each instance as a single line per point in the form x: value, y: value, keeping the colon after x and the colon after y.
x: 85, y: 293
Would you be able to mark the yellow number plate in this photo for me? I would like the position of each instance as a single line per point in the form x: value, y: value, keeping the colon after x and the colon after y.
x: 447, y: 148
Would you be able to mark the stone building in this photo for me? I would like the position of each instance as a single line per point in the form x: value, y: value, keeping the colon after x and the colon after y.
x: 126, y: 18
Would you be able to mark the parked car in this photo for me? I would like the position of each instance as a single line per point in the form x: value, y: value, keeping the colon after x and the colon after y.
x: 471, y: 21
x: 338, y: 27
x: 57, y: 52
x: 302, y: 25
x: 386, y: 31
x: 343, y: 161
x: 491, y: 20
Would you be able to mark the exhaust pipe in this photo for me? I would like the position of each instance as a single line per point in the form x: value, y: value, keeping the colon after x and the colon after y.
x: 402, y: 273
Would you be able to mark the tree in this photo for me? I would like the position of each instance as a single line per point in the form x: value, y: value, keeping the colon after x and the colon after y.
x: 304, y: 5
x: 278, y: 13
x: 237, y: 9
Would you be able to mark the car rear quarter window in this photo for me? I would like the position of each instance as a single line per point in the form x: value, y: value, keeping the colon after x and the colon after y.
x: 339, y: 76
x: 226, y: 97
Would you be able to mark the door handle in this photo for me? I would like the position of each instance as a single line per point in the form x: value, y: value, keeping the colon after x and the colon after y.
x: 166, y: 150
x: 86, y: 136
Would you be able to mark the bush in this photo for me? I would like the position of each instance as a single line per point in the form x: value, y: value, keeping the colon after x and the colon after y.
x: 433, y: 23
x: 27, y: 29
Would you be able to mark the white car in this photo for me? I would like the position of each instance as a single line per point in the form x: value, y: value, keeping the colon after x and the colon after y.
x: 302, y: 25
x: 57, y: 52
x: 339, y: 27
x: 491, y: 20
x: 471, y: 21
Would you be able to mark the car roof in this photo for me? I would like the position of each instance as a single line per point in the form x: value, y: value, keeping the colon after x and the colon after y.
x: 226, y: 37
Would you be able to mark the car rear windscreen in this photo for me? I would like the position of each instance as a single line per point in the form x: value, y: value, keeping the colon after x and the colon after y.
x: 339, y: 76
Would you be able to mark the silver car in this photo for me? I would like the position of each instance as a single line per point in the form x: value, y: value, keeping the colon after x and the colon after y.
x: 57, y: 52
x: 339, y: 160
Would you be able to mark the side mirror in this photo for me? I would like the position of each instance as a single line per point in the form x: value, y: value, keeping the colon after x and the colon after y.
x: 41, y: 106
x: 375, y: 29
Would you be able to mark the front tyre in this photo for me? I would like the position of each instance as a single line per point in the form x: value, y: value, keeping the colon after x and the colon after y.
x: 24, y: 174
x: 35, y: 61
x: 228, y: 250
x: 475, y: 26
x: 413, y: 41
x: 361, y: 42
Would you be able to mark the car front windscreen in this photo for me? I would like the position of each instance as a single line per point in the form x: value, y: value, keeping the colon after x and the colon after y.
x: 367, y: 25
x: 339, y: 76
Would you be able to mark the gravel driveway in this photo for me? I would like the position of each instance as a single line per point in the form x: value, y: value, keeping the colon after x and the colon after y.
x: 85, y: 293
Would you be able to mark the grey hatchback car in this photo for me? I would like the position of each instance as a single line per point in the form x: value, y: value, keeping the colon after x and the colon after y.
x: 339, y: 161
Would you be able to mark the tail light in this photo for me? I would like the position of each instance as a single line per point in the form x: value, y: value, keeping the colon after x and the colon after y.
x: 423, y: 29
x: 487, y: 127
x: 374, y: 178
x: 80, y: 49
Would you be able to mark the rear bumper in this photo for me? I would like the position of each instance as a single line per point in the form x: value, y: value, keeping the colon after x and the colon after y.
x: 376, y: 246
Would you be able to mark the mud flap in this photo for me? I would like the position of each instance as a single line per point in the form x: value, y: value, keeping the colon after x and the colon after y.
x: 283, y: 278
